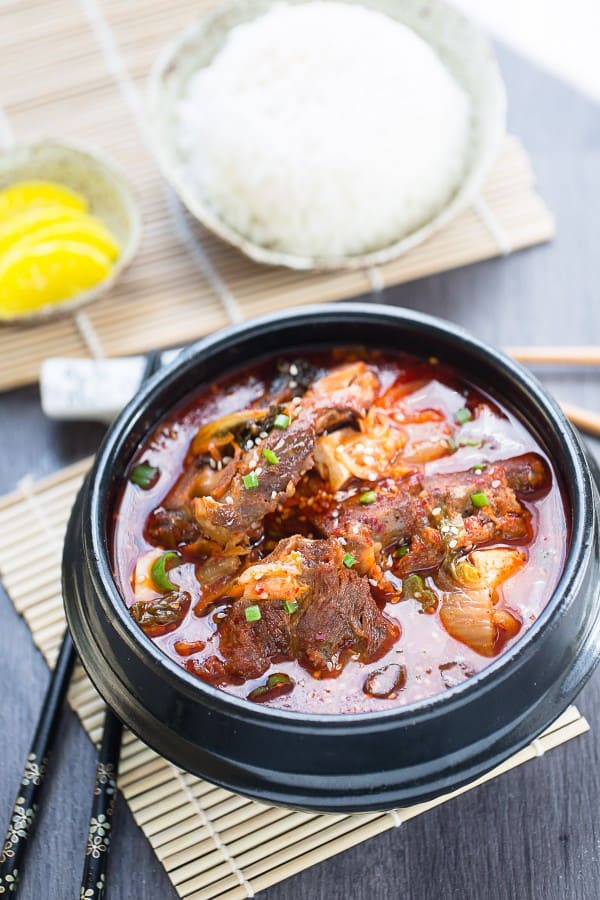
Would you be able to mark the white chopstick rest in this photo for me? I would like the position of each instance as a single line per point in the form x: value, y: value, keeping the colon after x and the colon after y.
x: 89, y: 389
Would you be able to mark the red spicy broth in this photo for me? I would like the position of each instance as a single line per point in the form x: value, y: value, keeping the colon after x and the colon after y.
x: 424, y: 540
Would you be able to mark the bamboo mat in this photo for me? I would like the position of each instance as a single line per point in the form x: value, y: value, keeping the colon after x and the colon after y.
x: 77, y: 69
x: 212, y: 843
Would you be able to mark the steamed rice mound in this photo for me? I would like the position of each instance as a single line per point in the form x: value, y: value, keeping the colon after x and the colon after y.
x: 324, y: 129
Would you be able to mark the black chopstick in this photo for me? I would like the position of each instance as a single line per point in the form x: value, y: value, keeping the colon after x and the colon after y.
x: 27, y: 802
x: 28, y: 796
x: 93, y: 881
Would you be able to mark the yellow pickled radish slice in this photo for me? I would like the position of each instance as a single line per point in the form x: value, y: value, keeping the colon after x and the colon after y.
x: 32, y: 277
x: 28, y: 221
x: 83, y: 229
x: 29, y: 194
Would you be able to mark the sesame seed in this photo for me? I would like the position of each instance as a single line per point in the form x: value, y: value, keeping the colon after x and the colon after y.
x: 293, y: 384
x: 453, y: 543
x: 293, y: 369
x: 436, y: 511
x: 496, y: 483
x: 229, y: 501
x: 372, y: 582
x: 273, y: 495
x: 249, y: 445
x: 263, y: 434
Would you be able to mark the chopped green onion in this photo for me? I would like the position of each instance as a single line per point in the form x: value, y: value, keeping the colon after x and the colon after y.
x: 158, y: 572
x: 400, y: 552
x: 277, y: 678
x: 470, y: 443
x: 451, y: 443
x: 479, y: 467
x: 368, y: 497
x: 480, y: 499
x: 463, y: 415
x: 252, y: 613
x: 412, y: 585
x: 270, y: 456
x: 281, y: 421
x: 349, y: 560
x: 290, y: 606
x: 250, y: 481
x: 413, y: 588
x: 144, y: 476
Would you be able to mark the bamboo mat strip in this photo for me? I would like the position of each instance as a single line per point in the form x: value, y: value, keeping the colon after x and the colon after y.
x: 77, y: 68
x: 212, y: 843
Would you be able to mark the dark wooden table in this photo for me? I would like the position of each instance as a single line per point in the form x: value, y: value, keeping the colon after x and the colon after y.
x: 535, y: 832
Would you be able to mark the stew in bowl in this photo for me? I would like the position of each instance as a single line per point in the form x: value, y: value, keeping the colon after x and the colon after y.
x: 338, y: 531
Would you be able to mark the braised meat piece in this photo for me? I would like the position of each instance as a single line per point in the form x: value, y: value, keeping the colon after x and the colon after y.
x: 269, y: 470
x: 171, y: 528
x: 312, y: 608
x: 346, y: 392
x: 430, y: 515
x: 292, y: 379
x: 258, y: 486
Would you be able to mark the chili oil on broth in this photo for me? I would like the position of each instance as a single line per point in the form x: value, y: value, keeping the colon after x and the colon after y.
x: 433, y: 660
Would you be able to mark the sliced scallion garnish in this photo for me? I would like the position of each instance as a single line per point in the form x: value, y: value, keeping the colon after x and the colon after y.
x: 144, y: 475
x: 463, y: 415
x: 479, y: 499
x: 252, y: 613
x: 281, y: 420
x: 349, y: 560
x: 290, y: 606
x: 270, y: 457
x: 158, y: 572
x: 250, y: 481
x: 368, y: 497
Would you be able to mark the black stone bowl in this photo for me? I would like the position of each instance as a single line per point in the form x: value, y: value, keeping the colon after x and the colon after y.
x: 372, y: 761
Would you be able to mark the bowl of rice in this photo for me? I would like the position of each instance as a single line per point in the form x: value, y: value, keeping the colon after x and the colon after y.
x: 324, y: 135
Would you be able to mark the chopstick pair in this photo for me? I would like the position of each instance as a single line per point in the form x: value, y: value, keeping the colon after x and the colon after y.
x: 586, y: 419
x: 27, y: 803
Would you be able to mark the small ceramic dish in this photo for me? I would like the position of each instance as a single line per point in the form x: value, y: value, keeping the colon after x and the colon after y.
x: 457, y: 42
x: 107, y: 191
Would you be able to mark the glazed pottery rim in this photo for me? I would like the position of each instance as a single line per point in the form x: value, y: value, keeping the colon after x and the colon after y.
x: 573, y: 474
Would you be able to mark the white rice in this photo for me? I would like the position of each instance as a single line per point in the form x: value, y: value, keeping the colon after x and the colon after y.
x: 324, y: 129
